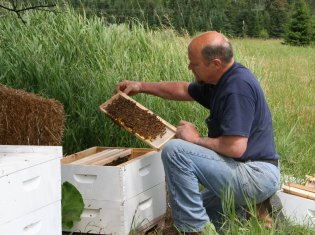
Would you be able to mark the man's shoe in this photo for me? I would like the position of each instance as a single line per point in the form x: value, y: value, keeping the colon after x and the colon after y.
x: 274, y: 207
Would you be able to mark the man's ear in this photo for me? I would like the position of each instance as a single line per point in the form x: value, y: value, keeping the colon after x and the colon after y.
x: 217, y: 63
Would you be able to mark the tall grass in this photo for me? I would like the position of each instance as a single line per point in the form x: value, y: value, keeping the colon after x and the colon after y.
x: 78, y: 61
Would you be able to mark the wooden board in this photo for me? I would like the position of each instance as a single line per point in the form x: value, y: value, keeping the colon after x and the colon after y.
x: 310, y: 181
x: 159, y: 141
x: 298, y: 192
x: 305, y: 188
x: 103, y: 161
x: 157, y: 224
x: 100, y: 156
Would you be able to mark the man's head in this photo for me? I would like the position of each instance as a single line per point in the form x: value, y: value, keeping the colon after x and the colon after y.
x: 210, y: 55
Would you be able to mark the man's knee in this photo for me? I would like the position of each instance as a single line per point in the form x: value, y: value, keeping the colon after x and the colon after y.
x: 171, y: 148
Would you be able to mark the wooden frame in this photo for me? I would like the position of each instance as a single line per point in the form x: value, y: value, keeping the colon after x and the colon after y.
x: 299, y: 190
x: 103, y: 157
x: 158, y: 142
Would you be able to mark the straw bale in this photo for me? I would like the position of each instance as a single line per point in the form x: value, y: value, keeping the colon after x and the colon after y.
x: 29, y: 119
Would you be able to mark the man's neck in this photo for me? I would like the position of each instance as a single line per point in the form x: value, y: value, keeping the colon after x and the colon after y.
x: 224, y: 69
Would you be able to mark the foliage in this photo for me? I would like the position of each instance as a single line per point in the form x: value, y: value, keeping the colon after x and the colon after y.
x: 300, y: 30
x: 263, y: 34
x: 277, y: 17
x: 78, y: 61
x: 241, y: 18
x: 72, y: 205
x: 235, y: 18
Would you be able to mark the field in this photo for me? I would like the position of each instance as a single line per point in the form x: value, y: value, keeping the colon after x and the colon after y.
x: 78, y: 61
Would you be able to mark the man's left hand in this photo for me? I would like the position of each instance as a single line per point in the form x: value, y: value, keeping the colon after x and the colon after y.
x: 187, y: 131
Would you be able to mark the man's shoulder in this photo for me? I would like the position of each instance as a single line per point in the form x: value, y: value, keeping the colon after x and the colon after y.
x: 241, y: 69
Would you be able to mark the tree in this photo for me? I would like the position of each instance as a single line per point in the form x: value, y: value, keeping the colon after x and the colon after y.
x: 19, y: 7
x: 299, y: 31
x: 277, y: 17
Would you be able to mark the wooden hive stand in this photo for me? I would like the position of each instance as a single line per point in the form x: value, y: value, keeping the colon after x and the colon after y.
x: 151, y: 228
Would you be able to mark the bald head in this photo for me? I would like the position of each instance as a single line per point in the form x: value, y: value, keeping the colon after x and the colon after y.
x: 212, y: 45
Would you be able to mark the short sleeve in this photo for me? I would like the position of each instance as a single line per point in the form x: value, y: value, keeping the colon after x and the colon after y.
x: 200, y: 93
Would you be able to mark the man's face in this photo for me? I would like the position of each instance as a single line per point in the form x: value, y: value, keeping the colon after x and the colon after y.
x: 202, y: 71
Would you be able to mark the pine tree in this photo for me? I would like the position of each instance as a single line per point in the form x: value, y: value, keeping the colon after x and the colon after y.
x: 299, y: 31
x: 278, y: 17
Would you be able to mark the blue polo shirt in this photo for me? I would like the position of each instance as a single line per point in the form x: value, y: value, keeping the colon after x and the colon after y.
x: 238, y: 107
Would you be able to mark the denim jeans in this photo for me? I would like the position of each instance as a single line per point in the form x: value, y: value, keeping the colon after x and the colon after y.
x: 186, y: 165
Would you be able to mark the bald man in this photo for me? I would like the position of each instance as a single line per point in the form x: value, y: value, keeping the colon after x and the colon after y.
x: 238, y: 155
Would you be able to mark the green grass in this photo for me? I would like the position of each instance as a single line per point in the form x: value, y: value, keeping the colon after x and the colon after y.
x: 78, y: 61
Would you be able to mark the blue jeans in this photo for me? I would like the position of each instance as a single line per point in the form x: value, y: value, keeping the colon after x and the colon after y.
x: 186, y: 165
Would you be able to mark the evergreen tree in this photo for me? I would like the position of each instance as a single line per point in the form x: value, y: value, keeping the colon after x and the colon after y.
x: 254, y: 24
x: 277, y: 17
x: 239, y: 18
x: 299, y: 31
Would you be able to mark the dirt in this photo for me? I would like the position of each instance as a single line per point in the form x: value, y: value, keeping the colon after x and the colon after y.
x: 126, y: 113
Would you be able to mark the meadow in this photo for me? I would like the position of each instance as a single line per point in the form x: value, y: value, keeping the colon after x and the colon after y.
x: 79, y: 60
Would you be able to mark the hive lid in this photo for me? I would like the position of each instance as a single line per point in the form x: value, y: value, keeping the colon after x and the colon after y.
x: 14, y: 158
x: 156, y: 142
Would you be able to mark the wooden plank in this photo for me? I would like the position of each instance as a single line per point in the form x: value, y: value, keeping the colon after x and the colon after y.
x: 309, y: 189
x: 102, y: 162
x: 86, y: 160
x: 105, y: 155
x: 159, y: 141
x: 76, y: 156
x: 298, y: 192
x: 139, y: 152
x: 310, y: 181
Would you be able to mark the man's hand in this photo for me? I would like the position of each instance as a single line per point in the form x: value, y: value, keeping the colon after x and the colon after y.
x: 129, y: 87
x: 187, y: 131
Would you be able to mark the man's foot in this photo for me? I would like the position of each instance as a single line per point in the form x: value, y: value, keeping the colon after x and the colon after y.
x: 270, y: 211
x: 274, y: 207
x: 263, y: 214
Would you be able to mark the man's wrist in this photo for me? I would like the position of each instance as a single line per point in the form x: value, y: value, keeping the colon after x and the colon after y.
x: 141, y: 88
x: 198, y: 141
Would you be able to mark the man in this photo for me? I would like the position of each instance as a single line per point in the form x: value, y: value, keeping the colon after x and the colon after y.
x: 237, y: 155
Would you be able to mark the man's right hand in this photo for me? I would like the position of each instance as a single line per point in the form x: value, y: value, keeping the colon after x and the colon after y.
x: 129, y: 87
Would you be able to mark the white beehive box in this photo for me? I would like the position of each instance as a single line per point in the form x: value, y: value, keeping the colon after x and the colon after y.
x: 29, y: 180
x: 114, y: 183
x: 46, y: 220
x: 119, y: 218
x: 113, y: 195
x: 298, y: 209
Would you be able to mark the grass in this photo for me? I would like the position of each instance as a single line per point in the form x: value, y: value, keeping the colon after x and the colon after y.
x: 78, y: 61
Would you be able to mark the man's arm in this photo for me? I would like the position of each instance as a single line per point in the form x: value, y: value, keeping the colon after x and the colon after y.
x: 230, y: 146
x: 166, y: 90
